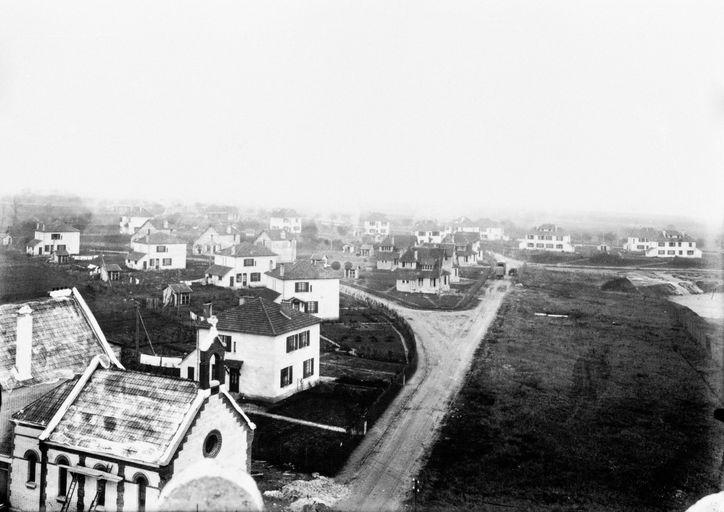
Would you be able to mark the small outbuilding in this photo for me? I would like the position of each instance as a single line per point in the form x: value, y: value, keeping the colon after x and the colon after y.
x: 177, y: 294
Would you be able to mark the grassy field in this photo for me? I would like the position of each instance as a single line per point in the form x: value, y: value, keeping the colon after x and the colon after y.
x: 600, y: 411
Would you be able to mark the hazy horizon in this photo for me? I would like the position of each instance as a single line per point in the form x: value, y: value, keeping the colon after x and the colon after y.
x: 438, y: 107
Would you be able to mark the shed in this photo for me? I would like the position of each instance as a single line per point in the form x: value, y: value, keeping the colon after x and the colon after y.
x: 177, y: 294
x: 114, y: 272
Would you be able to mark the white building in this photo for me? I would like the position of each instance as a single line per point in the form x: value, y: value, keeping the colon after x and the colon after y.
x: 493, y: 233
x: 241, y: 266
x: 157, y: 251
x: 309, y: 288
x: 280, y: 242
x: 288, y: 220
x: 667, y: 243
x: 377, y: 226
x: 134, y: 219
x: 430, y: 235
x: 271, y: 350
x: 547, y: 237
x: 216, y: 238
x: 465, y: 225
x: 54, y: 238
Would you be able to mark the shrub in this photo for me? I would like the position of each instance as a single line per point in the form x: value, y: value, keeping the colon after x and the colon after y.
x: 336, y: 265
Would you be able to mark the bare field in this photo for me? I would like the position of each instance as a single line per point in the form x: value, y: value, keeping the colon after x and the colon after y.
x: 600, y: 410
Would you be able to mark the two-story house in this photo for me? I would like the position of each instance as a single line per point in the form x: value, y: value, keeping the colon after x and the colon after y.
x: 55, y: 238
x: 309, y: 288
x: 376, y: 225
x: 241, y: 266
x: 547, y: 237
x: 157, y: 251
x: 280, y: 242
x: 216, y: 238
x: 288, y: 220
x: 428, y: 233
x: 133, y: 219
x: 391, y: 248
x: 271, y: 350
x: 421, y: 270
x: 673, y: 244
x: 43, y: 344
x: 465, y: 225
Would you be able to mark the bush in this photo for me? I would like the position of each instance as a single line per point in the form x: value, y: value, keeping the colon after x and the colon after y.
x: 336, y: 265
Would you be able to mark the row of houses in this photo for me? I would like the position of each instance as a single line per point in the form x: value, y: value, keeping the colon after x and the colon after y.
x: 378, y: 227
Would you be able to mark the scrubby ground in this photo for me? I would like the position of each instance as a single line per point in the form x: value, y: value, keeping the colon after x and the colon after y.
x: 601, y: 410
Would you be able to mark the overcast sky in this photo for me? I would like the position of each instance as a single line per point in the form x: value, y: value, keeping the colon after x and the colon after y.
x: 594, y: 105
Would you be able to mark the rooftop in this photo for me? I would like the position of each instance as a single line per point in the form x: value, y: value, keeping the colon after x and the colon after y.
x: 56, y: 228
x: 159, y: 238
x: 263, y: 317
x: 247, y: 250
x: 302, y: 269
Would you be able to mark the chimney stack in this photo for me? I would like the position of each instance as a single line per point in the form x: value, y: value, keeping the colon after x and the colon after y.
x: 24, y: 343
x: 281, y: 270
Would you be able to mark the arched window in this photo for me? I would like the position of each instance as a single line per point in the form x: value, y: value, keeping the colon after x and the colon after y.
x: 216, y: 368
x: 62, y: 475
x: 142, y: 483
x: 100, y: 487
x: 32, y: 459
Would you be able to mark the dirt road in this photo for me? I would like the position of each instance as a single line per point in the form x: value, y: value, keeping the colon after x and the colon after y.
x: 380, y: 471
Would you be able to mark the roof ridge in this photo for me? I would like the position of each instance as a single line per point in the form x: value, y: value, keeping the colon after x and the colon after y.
x: 266, y: 313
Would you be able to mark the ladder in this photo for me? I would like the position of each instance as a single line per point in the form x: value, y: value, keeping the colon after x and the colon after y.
x: 69, y: 493
x: 94, y: 503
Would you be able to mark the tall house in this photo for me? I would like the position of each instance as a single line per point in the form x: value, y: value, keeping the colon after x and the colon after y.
x: 308, y: 288
x: 157, y: 251
x: 288, y: 220
x: 241, y: 266
x: 54, y: 238
x: 376, y: 225
x: 280, y: 242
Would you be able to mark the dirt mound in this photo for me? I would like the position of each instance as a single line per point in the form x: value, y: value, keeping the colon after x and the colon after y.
x: 311, y: 494
x: 620, y: 284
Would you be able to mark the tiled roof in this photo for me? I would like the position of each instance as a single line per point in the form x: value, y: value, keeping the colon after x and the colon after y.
x: 254, y: 293
x: 218, y: 270
x: 126, y: 413
x: 113, y: 268
x: 159, y: 238
x: 135, y: 255
x: 387, y: 256
x: 302, y: 270
x: 44, y: 408
x: 34, y: 242
x: 246, y: 250
x: 180, y: 288
x: 647, y: 233
x: 263, y: 317
x: 399, y: 242
x: 63, y: 341
x: 57, y: 228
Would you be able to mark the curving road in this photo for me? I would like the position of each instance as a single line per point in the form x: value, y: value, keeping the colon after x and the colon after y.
x: 379, y: 472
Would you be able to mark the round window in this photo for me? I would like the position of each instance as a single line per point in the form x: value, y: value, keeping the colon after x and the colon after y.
x: 212, y: 444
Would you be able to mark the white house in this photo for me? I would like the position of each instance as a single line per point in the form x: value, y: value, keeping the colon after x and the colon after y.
x: 157, y: 251
x: 493, y: 233
x: 44, y: 343
x: 52, y: 238
x: 309, y: 288
x: 425, y: 270
x: 280, y: 242
x: 673, y: 244
x: 429, y: 234
x: 216, y: 238
x: 134, y: 219
x: 241, y: 266
x: 288, y: 220
x: 376, y: 225
x: 465, y: 225
x: 151, y: 226
x: 642, y: 240
x: 113, y: 439
x: 271, y: 350
x: 547, y: 237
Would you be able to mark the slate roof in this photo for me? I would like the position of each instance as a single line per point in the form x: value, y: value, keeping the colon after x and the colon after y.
x: 135, y: 255
x: 218, y: 270
x: 180, y: 288
x: 263, y: 317
x: 253, y: 293
x: 302, y: 270
x: 57, y: 228
x: 246, y: 250
x: 159, y: 238
x: 125, y: 413
x: 63, y: 341
x: 44, y: 408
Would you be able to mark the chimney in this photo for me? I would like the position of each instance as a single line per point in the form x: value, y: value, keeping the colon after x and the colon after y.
x: 281, y: 270
x: 233, y: 250
x: 24, y: 343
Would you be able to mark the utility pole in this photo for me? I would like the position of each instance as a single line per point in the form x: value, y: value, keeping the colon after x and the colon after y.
x: 138, y: 332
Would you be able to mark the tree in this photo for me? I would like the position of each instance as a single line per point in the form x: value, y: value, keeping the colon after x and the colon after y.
x: 336, y: 265
x: 310, y: 230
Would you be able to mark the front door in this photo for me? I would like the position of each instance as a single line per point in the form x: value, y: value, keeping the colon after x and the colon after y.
x: 243, y: 279
x: 234, y: 380
x: 144, y: 265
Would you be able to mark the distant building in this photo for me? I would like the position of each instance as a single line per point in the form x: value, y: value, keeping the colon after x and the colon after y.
x: 391, y: 248
x: 428, y: 233
x: 465, y: 225
x: 493, y: 233
x: 288, y: 220
x: 177, y: 294
x: 54, y: 237
x: 157, y: 251
x: 150, y: 227
x: 271, y: 351
x: 216, y: 238
x: 280, y: 242
x: 376, y: 225
x: 133, y: 219
x: 422, y: 270
x: 547, y: 237
x: 668, y: 243
x: 241, y: 266
x: 7, y: 239
x: 308, y: 288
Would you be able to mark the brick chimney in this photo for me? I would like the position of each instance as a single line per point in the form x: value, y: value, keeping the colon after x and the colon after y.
x: 24, y: 343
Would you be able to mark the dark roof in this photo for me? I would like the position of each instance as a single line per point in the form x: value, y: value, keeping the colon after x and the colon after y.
x: 375, y: 217
x: 302, y: 270
x: 253, y: 293
x: 263, y: 317
x: 126, y: 413
x: 246, y: 250
x: 218, y: 270
x: 232, y: 363
x: 135, y: 255
x: 180, y: 288
x: 464, y: 238
x: 57, y: 228
x: 44, y: 408
x: 410, y: 274
x: 113, y: 268
x: 159, y: 238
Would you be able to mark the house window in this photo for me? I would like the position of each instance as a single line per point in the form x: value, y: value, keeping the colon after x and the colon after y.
x: 531, y: 245
x: 301, y: 287
x: 255, y: 277
x: 672, y: 244
x: 531, y: 237
x: 238, y: 278
x: 32, y: 459
x: 312, y: 306
x: 420, y: 281
x: 540, y: 246
x: 61, y: 247
x: 62, y: 476
x: 549, y: 246
x: 286, y: 377
x: 47, y: 248
x: 142, y: 483
x: 248, y: 262
x: 190, y: 373
x: 212, y: 444
x: 225, y: 340
x: 662, y: 252
x: 167, y: 262
x: 671, y: 252
x: 308, y: 368
x: 559, y: 246
x: 161, y: 248
x: 185, y: 299
x: 690, y: 253
x: 433, y: 282
x: 55, y: 236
